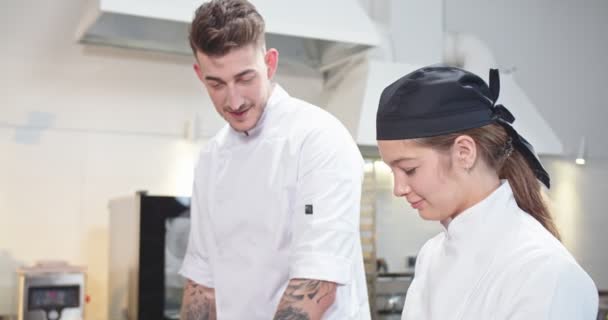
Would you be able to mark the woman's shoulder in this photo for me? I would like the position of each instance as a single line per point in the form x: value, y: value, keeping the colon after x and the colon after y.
x: 552, y: 285
x: 541, y: 276
x: 535, y: 256
x: 532, y: 246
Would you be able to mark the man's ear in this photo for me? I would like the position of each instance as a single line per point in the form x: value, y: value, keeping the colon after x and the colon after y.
x: 464, y: 152
x: 271, y: 58
x: 197, y: 70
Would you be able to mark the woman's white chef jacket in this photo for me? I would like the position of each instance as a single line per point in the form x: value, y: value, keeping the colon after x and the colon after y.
x: 494, y: 261
x: 279, y: 204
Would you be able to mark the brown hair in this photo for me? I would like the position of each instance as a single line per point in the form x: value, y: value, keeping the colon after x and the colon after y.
x: 222, y: 25
x: 492, y: 144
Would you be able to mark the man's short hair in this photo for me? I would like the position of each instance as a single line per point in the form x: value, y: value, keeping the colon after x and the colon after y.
x: 222, y: 25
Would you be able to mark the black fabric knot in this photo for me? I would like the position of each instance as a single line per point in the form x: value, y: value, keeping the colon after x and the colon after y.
x: 501, y: 112
x: 498, y: 110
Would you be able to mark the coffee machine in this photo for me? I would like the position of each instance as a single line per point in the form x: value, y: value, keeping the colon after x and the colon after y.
x: 51, y: 291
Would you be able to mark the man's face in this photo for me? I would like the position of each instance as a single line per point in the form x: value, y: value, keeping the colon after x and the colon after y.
x: 239, y: 83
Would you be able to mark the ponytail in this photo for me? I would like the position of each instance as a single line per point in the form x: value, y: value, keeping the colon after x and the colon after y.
x: 527, y: 190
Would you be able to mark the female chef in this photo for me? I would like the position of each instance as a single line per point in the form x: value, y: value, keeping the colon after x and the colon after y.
x: 457, y: 160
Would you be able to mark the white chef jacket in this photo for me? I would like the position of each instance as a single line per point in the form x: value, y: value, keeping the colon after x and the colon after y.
x: 495, y: 261
x: 278, y: 204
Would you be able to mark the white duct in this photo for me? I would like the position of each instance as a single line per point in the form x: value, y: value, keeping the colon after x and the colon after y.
x: 352, y: 90
x: 470, y: 53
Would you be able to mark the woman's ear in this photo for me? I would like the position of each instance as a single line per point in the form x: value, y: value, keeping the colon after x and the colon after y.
x: 464, y: 152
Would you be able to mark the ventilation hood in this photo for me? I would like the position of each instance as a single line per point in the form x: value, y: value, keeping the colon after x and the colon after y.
x: 411, y: 39
x: 470, y: 53
x: 315, y: 33
x: 354, y: 97
x: 353, y: 90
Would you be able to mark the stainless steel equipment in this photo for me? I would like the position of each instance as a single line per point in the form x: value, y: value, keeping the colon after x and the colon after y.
x: 51, y: 291
x: 391, y: 289
x: 603, y: 305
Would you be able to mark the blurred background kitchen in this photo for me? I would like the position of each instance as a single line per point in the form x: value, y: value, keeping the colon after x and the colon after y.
x: 102, y: 117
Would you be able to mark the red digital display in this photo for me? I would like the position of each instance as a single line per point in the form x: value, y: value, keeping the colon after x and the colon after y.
x: 56, y: 297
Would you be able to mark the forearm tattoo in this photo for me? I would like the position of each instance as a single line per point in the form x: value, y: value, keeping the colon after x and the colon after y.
x: 315, y: 290
x: 199, y: 303
x: 305, y: 297
x: 291, y: 313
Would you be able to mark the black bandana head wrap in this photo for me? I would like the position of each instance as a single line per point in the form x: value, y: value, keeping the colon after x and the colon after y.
x: 438, y: 100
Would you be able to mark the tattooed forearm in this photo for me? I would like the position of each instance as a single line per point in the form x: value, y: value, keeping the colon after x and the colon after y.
x: 291, y: 313
x: 306, y: 299
x: 298, y: 290
x: 198, y: 302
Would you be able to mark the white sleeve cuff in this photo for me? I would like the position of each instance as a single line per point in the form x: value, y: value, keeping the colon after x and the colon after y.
x: 321, y: 267
x: 197, y: 270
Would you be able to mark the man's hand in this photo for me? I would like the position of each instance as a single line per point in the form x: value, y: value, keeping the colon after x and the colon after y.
x: 198, y: 302
x: 306, y: 300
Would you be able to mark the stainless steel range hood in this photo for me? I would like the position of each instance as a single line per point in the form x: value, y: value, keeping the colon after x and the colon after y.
x: 315, y: 33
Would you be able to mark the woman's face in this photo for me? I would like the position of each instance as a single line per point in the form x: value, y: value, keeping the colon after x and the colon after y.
x: 424, y: 177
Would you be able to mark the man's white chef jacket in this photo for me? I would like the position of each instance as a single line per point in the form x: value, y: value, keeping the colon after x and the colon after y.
x: 278, y: 204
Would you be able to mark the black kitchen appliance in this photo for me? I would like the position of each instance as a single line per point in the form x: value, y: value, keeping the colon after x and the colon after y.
x: 148, y: 239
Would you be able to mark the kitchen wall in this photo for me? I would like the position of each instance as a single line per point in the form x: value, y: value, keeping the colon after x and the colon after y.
x: 578, y: 204
x: 76, y: 133
x: 79, y: 126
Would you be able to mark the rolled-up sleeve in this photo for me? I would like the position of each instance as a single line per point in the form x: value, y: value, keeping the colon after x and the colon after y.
x: 326, y: 209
